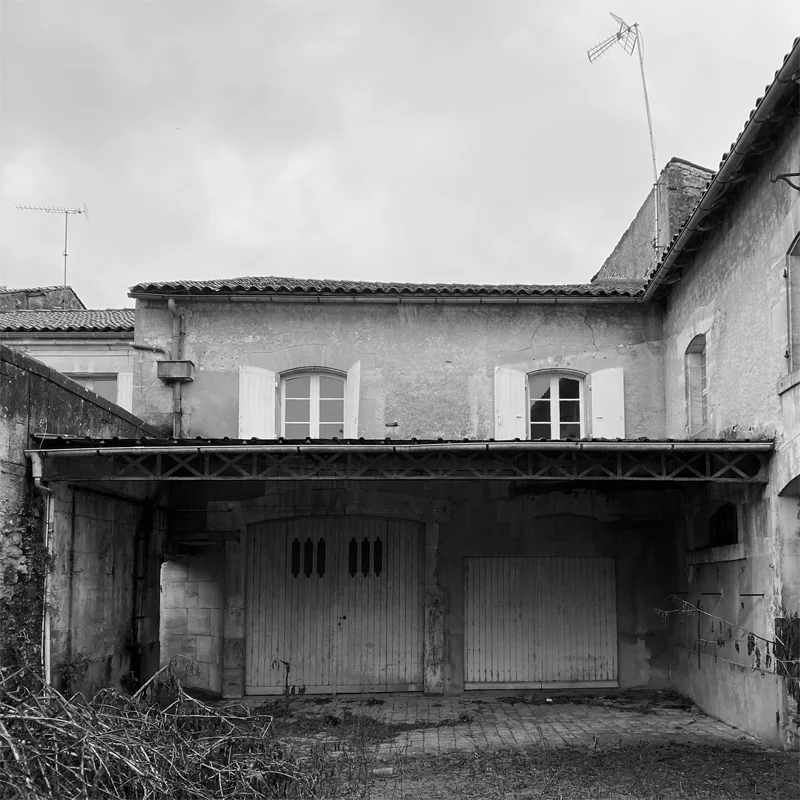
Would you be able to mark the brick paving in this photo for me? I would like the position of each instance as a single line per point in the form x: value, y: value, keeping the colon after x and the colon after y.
x: 480, y: 720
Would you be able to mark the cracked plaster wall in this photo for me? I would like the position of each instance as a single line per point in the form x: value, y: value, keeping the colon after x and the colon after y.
x: 428, y: 368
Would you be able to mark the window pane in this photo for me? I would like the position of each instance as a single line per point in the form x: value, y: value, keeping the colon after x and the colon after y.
x: 330, y: 387
x: 331, y: 411
x: 539, y: 387
x: 540, y: 411
x: 568, y: 388
x: 539, y: 431
x: 296, y: 430
x: 327, y: 430
x: 298, y: 387
x: 107, y: 388
x: 570, y: 432
x: 298, y: 411
x: 570, y: 411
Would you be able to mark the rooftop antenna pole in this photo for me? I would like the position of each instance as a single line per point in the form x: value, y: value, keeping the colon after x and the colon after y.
x: 66, y: 212
x: 629, y: 36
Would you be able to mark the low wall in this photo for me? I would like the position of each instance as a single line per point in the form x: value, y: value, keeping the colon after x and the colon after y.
x: 103, y: 611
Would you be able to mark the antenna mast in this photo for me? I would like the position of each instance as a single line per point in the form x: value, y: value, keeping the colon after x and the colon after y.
x: 629, y: 36
x: 59, y: 210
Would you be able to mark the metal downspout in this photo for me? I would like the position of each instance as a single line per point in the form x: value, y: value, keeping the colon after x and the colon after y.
x: 177, y: 354
x: 48, y: 495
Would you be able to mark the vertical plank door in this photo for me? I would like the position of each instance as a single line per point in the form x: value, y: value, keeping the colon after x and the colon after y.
x: 542, y: 622
x: 339, y: 599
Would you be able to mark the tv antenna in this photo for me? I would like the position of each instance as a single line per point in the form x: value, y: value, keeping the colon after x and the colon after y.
x: 629, y: 37
x: 66, y: 212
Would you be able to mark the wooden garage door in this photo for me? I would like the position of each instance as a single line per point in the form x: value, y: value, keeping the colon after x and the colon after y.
x: 339, y: 600
x: 540, y: 622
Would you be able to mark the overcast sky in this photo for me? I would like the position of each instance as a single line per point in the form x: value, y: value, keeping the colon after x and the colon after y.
x: 412, y: 140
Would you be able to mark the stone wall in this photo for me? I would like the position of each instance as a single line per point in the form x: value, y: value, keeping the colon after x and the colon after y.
x: 92, y: 536
x: 192, y: 599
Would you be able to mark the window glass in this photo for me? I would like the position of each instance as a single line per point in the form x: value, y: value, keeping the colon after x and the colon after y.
x: 569, y: 389
x: 330, y: 387
x: 298, y: 410
x: 540, y: 431
x: 105, y: 386
x: 539, y: 387
x: 331, y: 410
x: 297, y: 430
x: 570, y: 432
x: 299, y: 386
x: 696, y: 387
x: 540, y: 411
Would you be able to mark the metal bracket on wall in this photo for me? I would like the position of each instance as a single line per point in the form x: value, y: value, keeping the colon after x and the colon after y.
x: 785, y: 177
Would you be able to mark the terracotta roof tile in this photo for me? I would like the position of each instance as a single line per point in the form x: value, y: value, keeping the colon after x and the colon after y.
x: 110, y: 319
x: 310, y: 286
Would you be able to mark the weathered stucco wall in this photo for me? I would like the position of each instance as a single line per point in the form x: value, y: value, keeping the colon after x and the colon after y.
x: 427, y: 368
x: 91, y: 582
x: 735, y: 294
x: 737, y: 588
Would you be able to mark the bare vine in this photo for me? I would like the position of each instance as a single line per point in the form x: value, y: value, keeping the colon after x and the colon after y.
x: 772, y: 656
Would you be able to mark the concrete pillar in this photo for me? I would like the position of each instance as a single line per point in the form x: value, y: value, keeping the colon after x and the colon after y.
x: 433, y: 648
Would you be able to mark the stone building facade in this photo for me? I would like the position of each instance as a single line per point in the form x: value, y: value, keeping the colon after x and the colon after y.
x: 443, y: 488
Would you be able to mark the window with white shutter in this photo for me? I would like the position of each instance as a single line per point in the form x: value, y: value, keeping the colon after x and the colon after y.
x: 608, y: 403
x: 256, y: 403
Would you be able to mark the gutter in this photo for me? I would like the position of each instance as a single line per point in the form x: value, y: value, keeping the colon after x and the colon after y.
x: 719, y: 183
x: 396, y: 300
x: 457, y: 447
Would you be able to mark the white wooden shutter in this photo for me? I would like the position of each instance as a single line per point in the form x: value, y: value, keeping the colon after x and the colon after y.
x: 256, y: 403
x: 125, y: 390
x: 608, y: 404
x: 509, y: 404
x: 352, y: 396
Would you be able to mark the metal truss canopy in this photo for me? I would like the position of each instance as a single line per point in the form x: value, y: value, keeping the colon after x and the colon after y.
x: 536, y: 461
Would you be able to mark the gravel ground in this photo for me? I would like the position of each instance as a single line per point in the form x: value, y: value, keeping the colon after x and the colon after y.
x: 639, y: 771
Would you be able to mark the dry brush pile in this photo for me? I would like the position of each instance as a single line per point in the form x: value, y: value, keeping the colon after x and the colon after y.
x: 157, y: 743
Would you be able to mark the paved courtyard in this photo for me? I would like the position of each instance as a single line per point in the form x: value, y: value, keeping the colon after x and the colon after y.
x: 513, y: 719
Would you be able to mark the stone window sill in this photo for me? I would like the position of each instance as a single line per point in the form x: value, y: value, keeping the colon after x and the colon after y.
x: 730, y: 552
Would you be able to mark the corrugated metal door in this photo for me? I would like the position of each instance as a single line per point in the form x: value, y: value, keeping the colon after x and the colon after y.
x: 540, y: 622
x: 339, y: 600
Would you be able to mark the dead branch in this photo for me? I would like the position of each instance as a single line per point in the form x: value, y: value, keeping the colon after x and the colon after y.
x: 160, y: 742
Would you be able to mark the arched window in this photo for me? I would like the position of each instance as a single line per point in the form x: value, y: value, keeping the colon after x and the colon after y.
x: 696, y: 387
x: 312, y: 405
x: 555, y: 406
x: 717, y: 526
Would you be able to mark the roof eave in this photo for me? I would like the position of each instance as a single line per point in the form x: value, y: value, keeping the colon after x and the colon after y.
x: 783, y: 82
x: 389, y: 299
